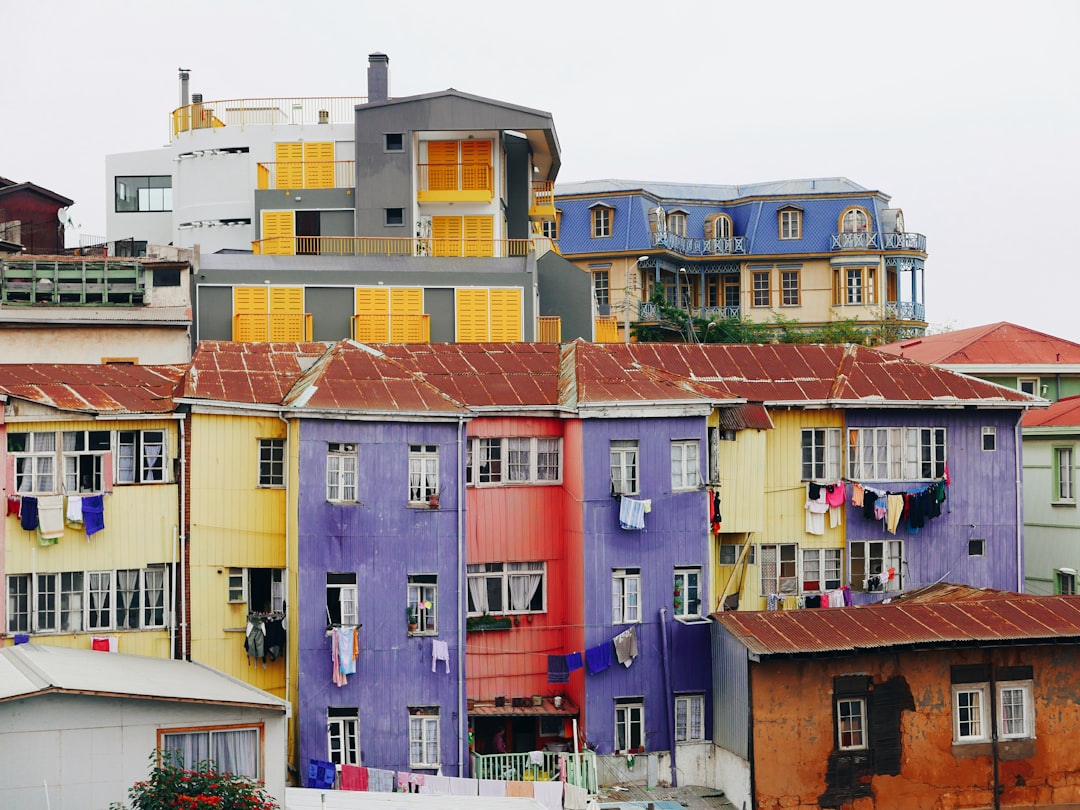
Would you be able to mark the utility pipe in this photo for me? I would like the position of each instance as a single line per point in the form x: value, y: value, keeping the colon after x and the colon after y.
x: 670, y: 700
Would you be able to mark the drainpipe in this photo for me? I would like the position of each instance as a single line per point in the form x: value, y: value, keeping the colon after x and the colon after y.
x: 172, y: 593
x: 183, y: 542
x: 994, y: 738
x: 285, y: 588
x: 1018, y: 441
x: 463, y: 718
x: 670, y: 699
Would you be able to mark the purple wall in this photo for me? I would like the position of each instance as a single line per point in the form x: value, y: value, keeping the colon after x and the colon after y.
x: 982, y: 503
x: 383, y: 541
x: 675, y: 534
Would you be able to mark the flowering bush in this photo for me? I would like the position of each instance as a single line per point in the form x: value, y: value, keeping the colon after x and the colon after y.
x: 171, y: 786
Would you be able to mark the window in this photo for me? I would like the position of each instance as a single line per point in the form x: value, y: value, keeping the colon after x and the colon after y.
x: 851, y: 723
x: 687, y: 593
x: 821, y: 454
x: 76, y: 601
x: 762, y: 295
x: 601, y: 222
x: 624, y: 467
x: 868, y: 558
x: 1029, y: 385
x: 790, y: 223
x: 72, y: 601
x: 718, y: 227
x: 550, y: 229
x: 1063, y: 475
x: 854, y: 220
x: 341, y: 599
x: 626, y: 596
x: 153, y: 588
x: 689, y: 718
x: 83, y: 458
x: 262, y: 588
x: 854, y: 286
x: 896, y: 454
x: 676, y: 223
x: 35, y: 462
x: 45, y: 597
x: 342, y: 735
x: 779, y: 574
x: 394, y: 142
x: 424, y: 737
x: 629, y: 725
x: 514, y: 587
x: 976, y: 548
x: 969, y: 713
x: 127, y: 600
x: 234, y: 749
x: 924, y: 453
x: 237, y: 585
x: 729, y: 554
x: 394, y: 217
x: 519, y: 460
x: 820, y: 569
x: 989, y: 438
x: 1064, y: 582
x: 140, y: 457
x: 685, y: 472
x: 423, y: 603
x: 135, y: 194
x: 271, y: 462
x: 1017, y: 710
x: 18, y: 603
x: 601, y: 284
x: 972, y: 710
x: 423, y: 473
x: 789, y: 288
x: 340, y: 472
x: 99, y: 588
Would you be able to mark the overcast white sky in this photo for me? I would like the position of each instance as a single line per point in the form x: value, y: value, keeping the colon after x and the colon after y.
x: 966, y: 113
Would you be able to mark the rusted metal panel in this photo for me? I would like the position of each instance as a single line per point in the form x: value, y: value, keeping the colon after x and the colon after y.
x: 1001, y: 343
x: 255, y: 373
x: 102, y: 389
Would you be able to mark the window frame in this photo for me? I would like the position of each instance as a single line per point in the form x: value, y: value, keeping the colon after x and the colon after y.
x: 134, y: 463
x: 602, y: 221
x: 691, y: 707
x: 861, y: 743
x: 685, y: 465
x: 629, y: 725
x: 1064, y: 474
x: 271, y: 463
x: 761, y: 288
x: 343, y: 735
x: 786, y: 559
x: 626, y: 596
x: 60, y: 603
x: 687, y: 592
x: 829, y: 561
x: 390, y: 145
x: 44, y: 473
x: 789, y: 223
x: 790, y: 288
x: 423, y: 480
x: 890, y: 555
x: 854, y: 212
x: 898, y: 453
x: 20, y: 603
x: 1024, y: 687
x: 98, y: 459
x: 347, y: 608
x: 982, y: 720
x: 259, y: 728
x: 425, y: 720
x: 625, y: 460
x: 1023, y: 383
x: 422, y: 590
x: 166, y: 199
x: 989, y: 432
x: 602, y: 287
x: 497, y: 455
x: 676, y: 223
x: 498, y: 577
x: 340, y: 456
x: 1064, y: 582
x: 825, y: 455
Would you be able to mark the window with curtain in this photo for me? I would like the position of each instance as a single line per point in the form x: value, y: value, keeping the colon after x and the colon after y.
x: 423, y: 472
x: 424, y: 737
x: 235, y: 749
x: 99, y: 587
x: 516, y: 587
x: 35, y: 462
x: 127, y: 600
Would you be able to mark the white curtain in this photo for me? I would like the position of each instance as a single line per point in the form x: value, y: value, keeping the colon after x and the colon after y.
x: 522, y: 589
x: 478, y: 592
x: 237, y: 751
x: 190, y: 748
x: 127, y: 599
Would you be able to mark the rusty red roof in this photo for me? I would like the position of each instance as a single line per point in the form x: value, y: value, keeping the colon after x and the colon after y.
x: 250, y: 373
x: 1001, y: 343
x: 1016, y: 618
x: 1063, y: 413
x: 352, y: 377
x: 98, y: 389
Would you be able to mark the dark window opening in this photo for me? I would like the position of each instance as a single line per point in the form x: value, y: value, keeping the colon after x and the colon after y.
x: 395, y: 142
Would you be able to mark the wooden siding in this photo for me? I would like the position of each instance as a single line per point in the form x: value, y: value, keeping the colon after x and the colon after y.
x: 1050, y: 529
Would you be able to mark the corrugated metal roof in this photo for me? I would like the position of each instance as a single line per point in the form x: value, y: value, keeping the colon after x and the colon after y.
x: 87, y: 388
x: 745, y: 417
x: 251, y: 373
x: 1015, y: 618
x: 487, y: 708
x: 949, y: 592
x: 29, y: 669
x: 713, y: 193
x: 1000, y: 343
x: 1063, y: 413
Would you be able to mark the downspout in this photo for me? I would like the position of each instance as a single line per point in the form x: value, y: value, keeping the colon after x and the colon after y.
x: 463, y: 719
x: 285, y: 587
x: 1018, y: 450
x: 183, y: 542
x: 994, y: 739
x: 172, y: 593
x: 670, y: 700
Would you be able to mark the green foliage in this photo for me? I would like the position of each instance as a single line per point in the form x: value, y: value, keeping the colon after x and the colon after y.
x: 170, y: 786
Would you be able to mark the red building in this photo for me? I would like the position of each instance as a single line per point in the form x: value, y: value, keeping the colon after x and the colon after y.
x: 28, y: 217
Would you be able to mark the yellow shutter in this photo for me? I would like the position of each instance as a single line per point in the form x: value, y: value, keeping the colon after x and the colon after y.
x: 472, y: 316
x: 249, y: 314
x: 476, y: 170
x: 277, y: 233
x: 290, y: 165
x: 506, y: 316
x: 372, y: 311
x: 446, y: 236
x: 406, y: 311
x: 479, y: 236
x: 287, y: 322
x: 319, y: 164
x: 442, y: 168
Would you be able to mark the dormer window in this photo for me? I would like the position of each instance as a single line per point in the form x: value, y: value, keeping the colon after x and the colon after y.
x: 854, y: 220
x: 602, y: 218
x: 718, y: 226
x: 790, y: 222
x: 676, y: 223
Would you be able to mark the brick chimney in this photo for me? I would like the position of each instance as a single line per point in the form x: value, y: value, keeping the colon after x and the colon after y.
x: 378, y: 77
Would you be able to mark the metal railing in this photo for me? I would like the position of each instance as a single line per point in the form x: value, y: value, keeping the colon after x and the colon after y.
x: 281, y: 326
x: 548, y: 329
x: 718, y: 313
x: 580, y: 769
x: 692, y: 246
x: 265, y: 111
x: 905, y: 241
x: 307, y: 174
x: 451, y: 177
x: 607, y: 329
x: 98, y: 282
x: 396, y: 246
x: 871, y: 240
x: 905, y: 311
x: 648, y: 311
x: 405, y: 328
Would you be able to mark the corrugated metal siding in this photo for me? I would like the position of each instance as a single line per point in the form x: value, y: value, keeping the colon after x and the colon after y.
x: 731, y: 693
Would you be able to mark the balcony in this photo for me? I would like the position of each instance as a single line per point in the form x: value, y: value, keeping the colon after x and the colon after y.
x: 905, y: 311
x: 73, y: 283
x: 580, y: 769
x: 307, y: 174
x: 260, y: 327
x: 456, y: 182
x: 396, y: 246
x: 548, y: 329
x: 542, y: 204
x: 241, y: 112
x: 718, y: 313
x: 870, y: 240
x: 607, y: 329
x: 688, y: 246
x: 391, y: 328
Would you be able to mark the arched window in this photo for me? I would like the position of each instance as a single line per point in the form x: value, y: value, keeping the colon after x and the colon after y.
x: 854, y: 220
x: 721, y: 227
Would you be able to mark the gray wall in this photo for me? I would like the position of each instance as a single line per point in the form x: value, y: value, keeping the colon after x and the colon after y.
x: 335, y: 203
x: 565, y: 290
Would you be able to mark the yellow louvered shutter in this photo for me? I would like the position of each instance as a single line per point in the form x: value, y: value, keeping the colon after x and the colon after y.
x: 249, y: 314
x: 406, y: 311
x: 290, y: 165
x: 506, y: 316
x: 446, y: 236
x: 277, y: 233
x: 372, y: 311
x: 472, y: 316
x: 442, y: 165
x: 319, y: 164
x: 476, y: 171
x: 287, y: 322
x: 479, y: 236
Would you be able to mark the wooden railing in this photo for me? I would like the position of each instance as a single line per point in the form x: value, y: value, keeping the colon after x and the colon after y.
x: 307, y: 174
x: 391, y: 328
x: 259, y: 327
x: 262, y: 111
x: 580, y: 769
x: 396, y: 246
x: 607, y: 329
x: 549, y: 329
x: 453, y: 179
x: 543, y: 198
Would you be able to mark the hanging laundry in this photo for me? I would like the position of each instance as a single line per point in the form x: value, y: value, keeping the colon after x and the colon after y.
x: 631, y: 513
x: 881, y: 507
x: 894, y: 509
x: 380, y: 780
x: 105, y: 643
x: 13, y: 505
x: 354, y: 777
x: 440, y: 784
x: 74, y: 510
x: 857, y: 492
x: 574, y: 662
x: 28, y: 516
x: 816, y: 507
x: 714, y: 511
x: 626, y: 648
x: 335, y: 662
x: 321, y: 774
x: 598, y: 658
x: 275, y: 638
x: 255, y: 641
x: 345, y: 641
x: 558, y: 670
x: 440, y: 651
x: 93, y: 514
x: 772, y: 601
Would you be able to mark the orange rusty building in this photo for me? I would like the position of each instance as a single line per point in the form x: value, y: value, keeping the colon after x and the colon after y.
x: 963, y: 700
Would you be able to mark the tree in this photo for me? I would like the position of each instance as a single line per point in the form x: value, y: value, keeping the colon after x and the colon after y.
x: 171, y: 786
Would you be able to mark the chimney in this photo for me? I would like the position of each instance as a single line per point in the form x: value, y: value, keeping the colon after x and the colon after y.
x: 185, y: 74
x: 378, y: 77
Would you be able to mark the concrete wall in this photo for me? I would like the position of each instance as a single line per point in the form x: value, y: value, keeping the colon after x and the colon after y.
x: 147, y: 345
x: 152, y: 226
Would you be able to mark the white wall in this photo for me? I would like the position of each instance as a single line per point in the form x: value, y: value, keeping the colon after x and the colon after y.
x: 732, y: 775
x: 62, y: 343
x: 85, y: 752
x: 156, y: 226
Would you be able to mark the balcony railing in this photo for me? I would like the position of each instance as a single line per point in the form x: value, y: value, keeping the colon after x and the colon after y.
x: 260, y: 327
x: 580, y: 768
x: 456, y: 182
x: 689, y: 246
x: 607, y: 329
x: 648, y: 311
x: 905, y: 241
x: 543, y: 199
x: 905, y: 311
x: 392, y: 328
x: 871, y: 240
x: 73, y: 283
x: 548, y: 329
x: 396, y: 246
x: 718, y: 313
x: 265, y: 111
x: 307, y: 174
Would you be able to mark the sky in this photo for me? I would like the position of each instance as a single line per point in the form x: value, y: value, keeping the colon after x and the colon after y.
x: 967, y: 114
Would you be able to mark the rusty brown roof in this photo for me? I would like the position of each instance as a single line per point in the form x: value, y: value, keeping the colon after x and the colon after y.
x: 352, y: 377
x: 98, y: 389
x: 1000, y: 343
x: 1016, y: 618
x: 950, y: 592
x: 250, y: 373
x: 525, y: 708
x: 1063, y: 413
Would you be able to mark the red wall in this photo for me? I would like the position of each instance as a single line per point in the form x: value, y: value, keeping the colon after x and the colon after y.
x: 41, y: 230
